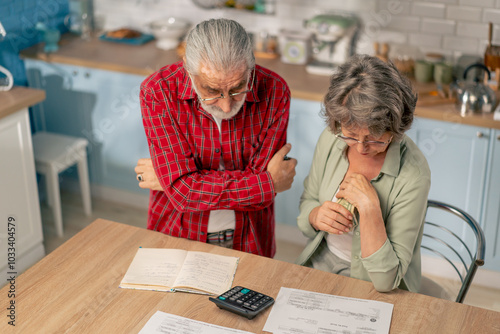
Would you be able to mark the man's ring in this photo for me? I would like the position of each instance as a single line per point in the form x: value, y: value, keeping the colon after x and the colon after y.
x: 139, y: 177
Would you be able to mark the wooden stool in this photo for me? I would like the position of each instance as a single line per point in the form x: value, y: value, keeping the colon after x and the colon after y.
x: 55, y: 153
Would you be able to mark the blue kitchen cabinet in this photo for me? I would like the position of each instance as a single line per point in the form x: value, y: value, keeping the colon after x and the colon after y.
x: 101, y: 106
x: 304, y: 127
x: 458, y: 157
x: 491, y: 216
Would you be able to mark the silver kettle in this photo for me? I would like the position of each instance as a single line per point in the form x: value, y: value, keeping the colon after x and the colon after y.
x: 473, y: 96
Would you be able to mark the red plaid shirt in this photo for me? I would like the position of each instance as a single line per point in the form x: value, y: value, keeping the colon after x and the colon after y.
x: 185, y: 149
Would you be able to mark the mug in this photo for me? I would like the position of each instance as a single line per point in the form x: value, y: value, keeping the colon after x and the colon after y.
x: 424, y: 71
x: 443, y: 73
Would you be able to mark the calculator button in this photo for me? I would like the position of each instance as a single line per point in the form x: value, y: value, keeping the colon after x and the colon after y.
x: 245, y: 291
x: 222, y: 298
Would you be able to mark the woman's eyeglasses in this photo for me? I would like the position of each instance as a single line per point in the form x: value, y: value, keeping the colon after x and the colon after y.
x: 352, y: 141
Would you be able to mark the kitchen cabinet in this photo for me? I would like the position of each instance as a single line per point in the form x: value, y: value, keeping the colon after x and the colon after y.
x: 491, y: 213
x: 101, y: 106
x: 21, y: 237
x: 458, y: 157
x: 304, y: 128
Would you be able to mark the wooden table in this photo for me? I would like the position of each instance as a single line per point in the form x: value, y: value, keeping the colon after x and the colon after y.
x: 75, y: 290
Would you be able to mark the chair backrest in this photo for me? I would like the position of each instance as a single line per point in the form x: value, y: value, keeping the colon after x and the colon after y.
x: 452, y: 240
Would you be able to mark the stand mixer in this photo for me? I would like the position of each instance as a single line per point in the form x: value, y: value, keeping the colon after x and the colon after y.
x: 334, y: 40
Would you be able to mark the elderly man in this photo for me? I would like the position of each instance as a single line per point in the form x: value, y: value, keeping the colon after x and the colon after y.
x: 216, y: 127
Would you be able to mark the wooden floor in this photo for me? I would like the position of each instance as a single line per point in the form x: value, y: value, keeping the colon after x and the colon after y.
x: 75, y: 220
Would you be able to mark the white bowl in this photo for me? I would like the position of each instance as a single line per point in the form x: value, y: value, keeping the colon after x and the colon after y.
x: 169, y: 31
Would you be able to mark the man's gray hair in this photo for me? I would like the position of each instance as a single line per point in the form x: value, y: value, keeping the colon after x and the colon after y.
x: 220, y: 44
x: 369, y: 93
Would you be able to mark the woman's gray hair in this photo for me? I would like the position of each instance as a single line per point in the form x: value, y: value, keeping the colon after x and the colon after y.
x: 369, y: 93
x: 220, y: 44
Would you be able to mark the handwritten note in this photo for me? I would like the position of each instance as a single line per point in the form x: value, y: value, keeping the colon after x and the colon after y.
x: 153, y: 267
x: 213, y: 273
x: 171, y: 270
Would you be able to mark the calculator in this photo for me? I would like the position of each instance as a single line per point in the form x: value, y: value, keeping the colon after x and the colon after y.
x: 242, y: 301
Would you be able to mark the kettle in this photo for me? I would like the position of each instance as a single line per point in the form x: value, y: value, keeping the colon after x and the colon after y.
x: 475, y: 96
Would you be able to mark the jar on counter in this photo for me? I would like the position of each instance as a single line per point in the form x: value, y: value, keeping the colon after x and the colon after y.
x: 295, y: 46
x: 404, y: 57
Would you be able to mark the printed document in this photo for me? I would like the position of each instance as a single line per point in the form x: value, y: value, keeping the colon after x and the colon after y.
x: 304, y: 312
x: 162, y: 322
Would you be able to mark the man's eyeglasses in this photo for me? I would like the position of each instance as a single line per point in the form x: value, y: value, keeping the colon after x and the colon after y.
x: 352, y: 141
x: 232, y: 95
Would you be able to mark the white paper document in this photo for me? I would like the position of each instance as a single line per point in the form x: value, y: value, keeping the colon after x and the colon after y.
x: 304, y: 312
x: 162, y: 322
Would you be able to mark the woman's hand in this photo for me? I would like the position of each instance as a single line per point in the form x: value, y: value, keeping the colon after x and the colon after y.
x: 146, y: 172
x: 331, y: 217
x: 358, y: 191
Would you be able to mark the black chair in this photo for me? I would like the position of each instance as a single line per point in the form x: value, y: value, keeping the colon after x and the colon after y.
x: 463, y: 253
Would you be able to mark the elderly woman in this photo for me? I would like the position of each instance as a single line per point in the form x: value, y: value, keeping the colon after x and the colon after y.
x: 365, y: 197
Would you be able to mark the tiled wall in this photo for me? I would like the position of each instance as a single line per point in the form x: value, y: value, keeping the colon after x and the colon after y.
x: 19, y: 18
x: 450, y: 27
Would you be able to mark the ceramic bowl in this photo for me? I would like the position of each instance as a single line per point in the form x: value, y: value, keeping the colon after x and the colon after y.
x: 168, y: 32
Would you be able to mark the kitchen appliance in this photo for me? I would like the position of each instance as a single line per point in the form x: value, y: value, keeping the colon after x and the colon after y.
x: 295, y: 46
x: 473, y: 96
x: 169, y: 31
x: 334, y: 39
x: 7, y: 82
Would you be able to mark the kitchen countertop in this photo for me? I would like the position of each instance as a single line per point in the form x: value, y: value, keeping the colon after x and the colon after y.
x: 147, y: 58
x: 19, y: 98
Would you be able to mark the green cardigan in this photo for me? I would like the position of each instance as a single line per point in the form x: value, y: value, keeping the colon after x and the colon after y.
x: 402, y: 187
